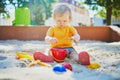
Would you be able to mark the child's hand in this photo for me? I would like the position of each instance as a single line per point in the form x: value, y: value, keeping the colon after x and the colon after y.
x: 53, y: 40
x: 50, y: 39
x: 75, y: 38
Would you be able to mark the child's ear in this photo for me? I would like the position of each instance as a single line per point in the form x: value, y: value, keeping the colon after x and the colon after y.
x: 70, y: 19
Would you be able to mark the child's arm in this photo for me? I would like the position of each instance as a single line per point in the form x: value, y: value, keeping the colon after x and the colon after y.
x: 50, y: 39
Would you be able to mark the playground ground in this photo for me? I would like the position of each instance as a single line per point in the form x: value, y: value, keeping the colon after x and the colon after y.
x: 106, y: 54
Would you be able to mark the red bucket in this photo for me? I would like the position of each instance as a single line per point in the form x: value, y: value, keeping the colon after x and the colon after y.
x: 58, y: 55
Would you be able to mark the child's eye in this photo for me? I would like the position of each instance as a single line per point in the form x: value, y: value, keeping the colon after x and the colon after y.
x: 58, y: 20
x: 64, y: 20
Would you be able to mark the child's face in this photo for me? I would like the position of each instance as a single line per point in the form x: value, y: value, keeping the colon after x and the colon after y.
x: 62, y: 20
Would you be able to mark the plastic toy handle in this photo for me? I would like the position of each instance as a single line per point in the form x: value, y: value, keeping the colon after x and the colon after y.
x: 43, y: 64
x: 33, y: 63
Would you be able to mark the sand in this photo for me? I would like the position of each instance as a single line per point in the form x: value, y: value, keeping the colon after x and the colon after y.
x: 106, y: 54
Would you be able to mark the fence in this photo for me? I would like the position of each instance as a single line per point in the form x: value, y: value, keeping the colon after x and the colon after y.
x: 101, y: 33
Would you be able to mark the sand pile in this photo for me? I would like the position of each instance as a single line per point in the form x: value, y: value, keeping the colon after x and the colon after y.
x: 106, y: 54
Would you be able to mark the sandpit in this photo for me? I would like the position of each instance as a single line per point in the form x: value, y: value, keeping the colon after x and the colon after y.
x: 106, y: 54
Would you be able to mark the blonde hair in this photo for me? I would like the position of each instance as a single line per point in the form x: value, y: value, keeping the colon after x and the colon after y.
x: 61, y: 9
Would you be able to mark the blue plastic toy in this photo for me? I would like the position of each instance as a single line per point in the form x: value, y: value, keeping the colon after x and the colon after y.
x: 59, y: 68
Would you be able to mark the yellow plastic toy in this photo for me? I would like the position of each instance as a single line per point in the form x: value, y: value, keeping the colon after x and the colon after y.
x: 23, y: 55
x: 94, y: 65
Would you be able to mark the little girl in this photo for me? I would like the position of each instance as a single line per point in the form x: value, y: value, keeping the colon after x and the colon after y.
x: 62, y: 35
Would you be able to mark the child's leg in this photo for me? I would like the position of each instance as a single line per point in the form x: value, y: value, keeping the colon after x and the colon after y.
x: 42, y: 57
x: 82, y: 58
x: 73, y: 55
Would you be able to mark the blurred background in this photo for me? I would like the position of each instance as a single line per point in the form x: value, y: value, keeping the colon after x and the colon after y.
x: 39, y: 12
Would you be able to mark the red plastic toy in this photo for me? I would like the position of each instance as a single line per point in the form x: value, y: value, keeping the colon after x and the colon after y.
x: 58, y: 55
x: 84, y: 58
x: 67, y: 65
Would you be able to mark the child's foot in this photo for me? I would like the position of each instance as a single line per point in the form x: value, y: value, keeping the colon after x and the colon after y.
x: 84, y: 58
x: 42, y: 57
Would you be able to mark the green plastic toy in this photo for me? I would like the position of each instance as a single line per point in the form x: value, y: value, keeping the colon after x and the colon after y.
x: 22, y: 17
